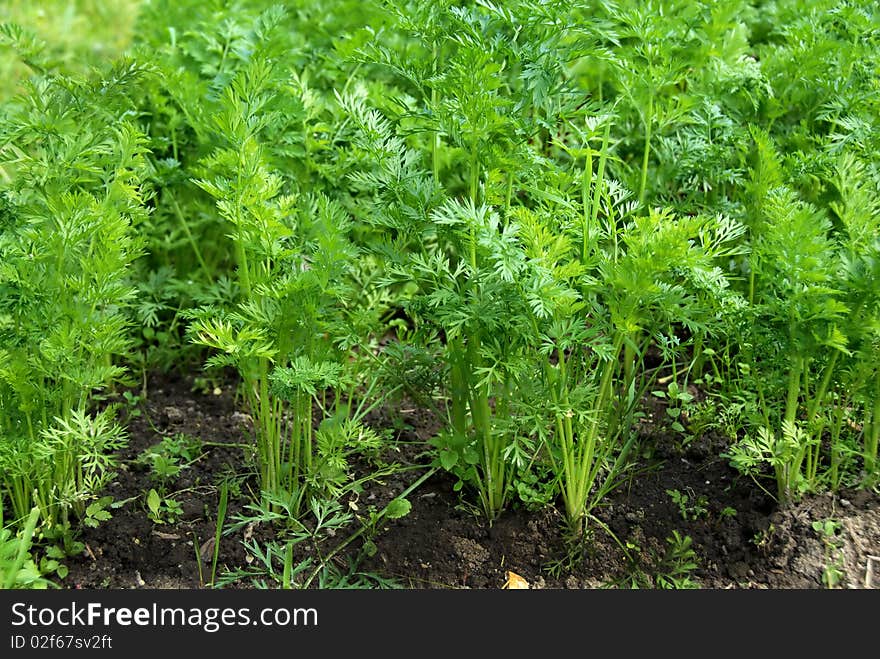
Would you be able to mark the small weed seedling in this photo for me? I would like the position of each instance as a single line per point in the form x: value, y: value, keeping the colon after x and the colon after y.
x: 763, y: 538
x: 828, y: 530
x: 670, y: 570
x: 162, y: 509
x: 677, y: 400
x: 167, y: 459
x: 678, y: 564
x: 132, y: 404
x: 690, y: 506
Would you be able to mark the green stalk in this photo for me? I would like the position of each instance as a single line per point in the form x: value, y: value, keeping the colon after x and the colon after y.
x: 696, y: 365
x: 568, y: 495
x: 649, y: 121
x: 787, y: 473
x: 24, y: 546
x: 600, y: 175
x: 18, y: 489
x: 564, y: 428
x: 474, y: 188
x: 603, y: 403
x: 819, y: 396
x: 195, y: 544
x: 266, y: 421
x: 308, y: 449
x: 836, y: 448
x: 579, y: 470
x: 244, y: 277
x: 189, y: 236
x: 794, y: 389
x: 813, y: 449
x: 588, y: 467
x: 279, y: 431
x: 563, y: 390
x: 586, y: 185
x: 629, y: 359
x: 872, y: 433
x: 494, y: 485
x: 296, y: 439
x: 435, y: 142
x: 262, y: 450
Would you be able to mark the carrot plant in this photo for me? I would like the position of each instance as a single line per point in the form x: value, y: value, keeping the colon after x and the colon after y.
x: 463, y: 299
x: 525, y: 216
x: 648, y: 281
x: 531, y: 264
x: 284, y: 330
x: 807, y: 345
x: 434, y: 205
x: 797, y: 343
x: 858, y: 382
x: 199, y: 51
x: 812, y: 318
x: 73, y: 197
x: 653, y: 68
x: 188, y: 260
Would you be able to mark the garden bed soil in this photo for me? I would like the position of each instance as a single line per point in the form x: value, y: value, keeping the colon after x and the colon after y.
x: 739, y: 537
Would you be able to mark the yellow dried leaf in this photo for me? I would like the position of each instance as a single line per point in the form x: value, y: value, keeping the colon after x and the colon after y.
x: 515, y: 582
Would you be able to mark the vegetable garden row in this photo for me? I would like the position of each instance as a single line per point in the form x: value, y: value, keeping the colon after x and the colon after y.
x: 523, y: 217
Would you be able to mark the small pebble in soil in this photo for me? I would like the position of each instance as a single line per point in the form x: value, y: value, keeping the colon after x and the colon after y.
x: 239, y: 417
x: 173, y: 414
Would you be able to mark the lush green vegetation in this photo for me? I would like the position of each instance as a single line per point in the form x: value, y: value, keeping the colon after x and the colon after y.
x: 553, y: 209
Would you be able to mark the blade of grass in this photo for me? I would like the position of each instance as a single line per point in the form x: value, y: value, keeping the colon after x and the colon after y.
x: 221, y: 517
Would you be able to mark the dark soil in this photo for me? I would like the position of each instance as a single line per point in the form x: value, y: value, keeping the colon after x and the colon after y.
x: 739, y: 539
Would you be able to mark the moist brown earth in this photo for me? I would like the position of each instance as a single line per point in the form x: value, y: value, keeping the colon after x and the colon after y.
x: 739, y: 538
